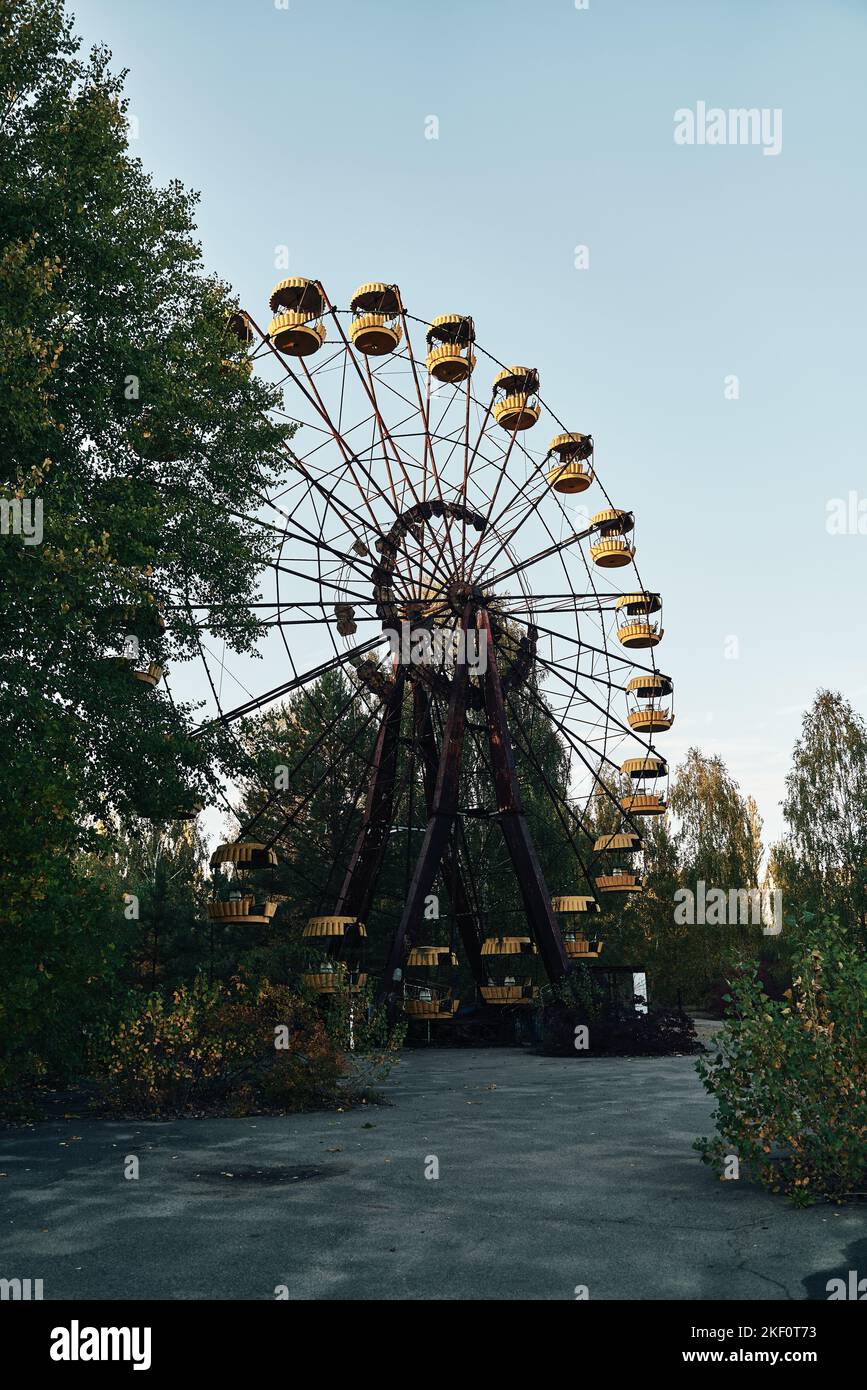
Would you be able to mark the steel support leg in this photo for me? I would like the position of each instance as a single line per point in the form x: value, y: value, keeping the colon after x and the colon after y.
x: 440, y: 820
x: 450, y: 866
x: 516, y: 832
x: 359, y: 884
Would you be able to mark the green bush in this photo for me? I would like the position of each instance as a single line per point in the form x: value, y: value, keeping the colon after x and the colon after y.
x: 213, y: 1046
x: 789, y: 1076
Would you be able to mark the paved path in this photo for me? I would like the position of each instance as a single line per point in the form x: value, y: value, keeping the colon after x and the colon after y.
x: 553, y: 1173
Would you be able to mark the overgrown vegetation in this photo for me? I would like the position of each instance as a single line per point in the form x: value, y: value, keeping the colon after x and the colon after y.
x: 578, y: 1019
x: 122, y: 427
x: 240, y: 1049
x: 790, y: 1077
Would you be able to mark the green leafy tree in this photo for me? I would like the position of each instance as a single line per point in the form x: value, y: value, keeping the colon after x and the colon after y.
x: 719, y: 844
x: 130, y: 426
x: 822, y: 859
x: 163, y: 868
x: 307, y: 764
x: 716, y: 827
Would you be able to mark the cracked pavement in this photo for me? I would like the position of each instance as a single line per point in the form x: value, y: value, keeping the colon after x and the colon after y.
x: 553, y: 1173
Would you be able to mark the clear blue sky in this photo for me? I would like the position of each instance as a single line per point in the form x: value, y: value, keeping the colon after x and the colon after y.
x: 306, y: 127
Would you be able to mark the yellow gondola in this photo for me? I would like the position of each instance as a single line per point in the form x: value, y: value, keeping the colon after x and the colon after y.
x: 515, y: 405
x: 649, y: 716
x: 329, y: 981
x: 376, y: 327
x: 151, y: 674
x: 243, y: 911
x: 572, y: 473
x: 244, y: 854
x: 619, y: 881
x: 611, y: 549
x: 638, y: 631
x: 333, y: 927
x: 642, y: 802
x: 297, y: 305
x: 450, y: 357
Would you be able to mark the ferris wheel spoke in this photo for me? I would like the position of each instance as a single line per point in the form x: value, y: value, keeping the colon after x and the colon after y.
x: 339, y: 508
x: 336, y: 761
x: 498, y: 543
x: 531, y: 508
x: 540, y: 555
x: 297, y: 682
x: 330, y: 583
x: 470, y: 457
x: 423, y: 403
x: 573, y: 603
x: 535, y: 475
x: 316, y: 401
x: 424, y: 411
x: 624, y: 660
x: 371, y: 393
x: 556, y: 800
x: 349, y: 457
x: 239, y: 746
x: 429, y: 458
x: 318, y: 545
x: 428, y: 454
x: 378, y: 423
x: 318, y: 541
x: 428, y: 436
x: 555, y: 671
x: 501, y: 475
x: 308, y: 539
x: 574, y: 741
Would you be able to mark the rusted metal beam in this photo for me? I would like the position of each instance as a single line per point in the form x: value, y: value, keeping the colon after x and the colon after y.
x: 450, y: 866
x: 531, y: 882
x: 359, y: 884
x: 440, y: 820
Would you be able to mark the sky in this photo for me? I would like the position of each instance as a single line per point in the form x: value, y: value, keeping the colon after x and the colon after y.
x: 711, y: 337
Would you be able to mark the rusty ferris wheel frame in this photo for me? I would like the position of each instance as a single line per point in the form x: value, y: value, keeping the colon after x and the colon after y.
x: 411, y: 485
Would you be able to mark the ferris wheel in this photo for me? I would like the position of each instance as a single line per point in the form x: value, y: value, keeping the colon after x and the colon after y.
x: 428, y: 541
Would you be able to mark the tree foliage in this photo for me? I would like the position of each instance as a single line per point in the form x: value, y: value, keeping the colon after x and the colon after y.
x: 790, y: 1077
x: 822, y: 858
x: 127, y: 415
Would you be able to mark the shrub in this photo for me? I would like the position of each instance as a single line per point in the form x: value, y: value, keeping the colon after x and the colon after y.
x: 790, y: 1076
x: 210, y: 1045
x: 615, y: 1028
x: 618, y: 1031
x: 361, y: 1027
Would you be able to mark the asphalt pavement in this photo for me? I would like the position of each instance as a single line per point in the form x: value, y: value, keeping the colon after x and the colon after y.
x: 554, y: 1175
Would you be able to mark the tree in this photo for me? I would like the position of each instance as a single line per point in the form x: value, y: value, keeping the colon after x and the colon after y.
x: 647, y: 934
x: 162, y: 868
x: 131, y: 428
x: 719, y: 845
x: 719, y: 833
x: 307, y: 767
x: 821, y: 861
